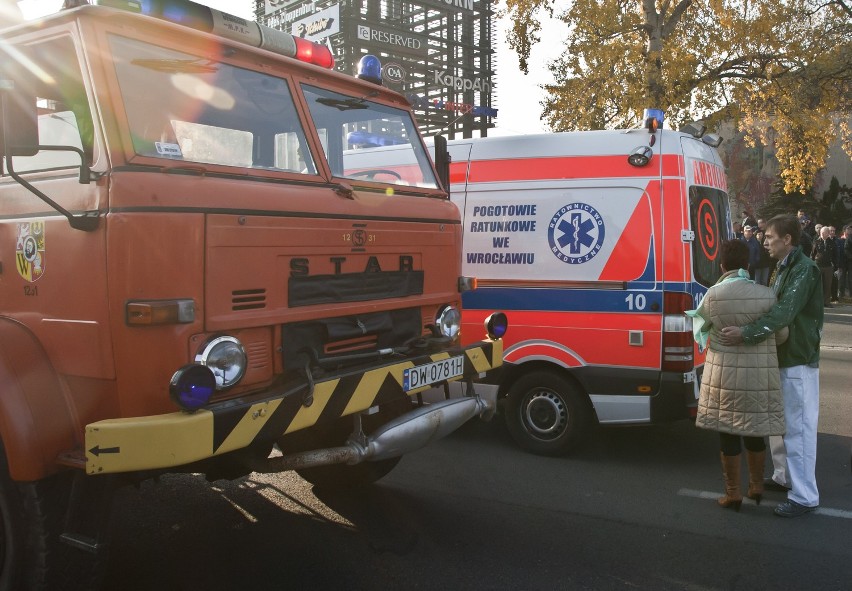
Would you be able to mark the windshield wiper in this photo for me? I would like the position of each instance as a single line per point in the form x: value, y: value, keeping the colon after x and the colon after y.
x: 197, y: 66
x: 347, y: 104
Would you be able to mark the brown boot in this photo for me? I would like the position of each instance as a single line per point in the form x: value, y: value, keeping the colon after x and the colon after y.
x: 733, y: 499
x: 755, y: 461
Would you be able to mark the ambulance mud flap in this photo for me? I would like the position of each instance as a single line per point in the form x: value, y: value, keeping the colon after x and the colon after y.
x: 404, y: 434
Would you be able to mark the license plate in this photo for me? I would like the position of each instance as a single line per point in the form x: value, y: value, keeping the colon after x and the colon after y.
x: 432, y: 373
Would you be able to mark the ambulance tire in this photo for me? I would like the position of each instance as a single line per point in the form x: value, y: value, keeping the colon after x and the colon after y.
x: 547, y: 414
x: 32, y: 516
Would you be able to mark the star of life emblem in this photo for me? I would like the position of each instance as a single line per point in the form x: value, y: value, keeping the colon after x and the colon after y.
x: 576, y: 233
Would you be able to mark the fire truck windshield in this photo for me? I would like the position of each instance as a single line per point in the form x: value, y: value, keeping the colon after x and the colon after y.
x: 194, y: 109
x: 365, y: 140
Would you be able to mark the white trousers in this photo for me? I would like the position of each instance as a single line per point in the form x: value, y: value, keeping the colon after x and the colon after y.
x: 794, y: 456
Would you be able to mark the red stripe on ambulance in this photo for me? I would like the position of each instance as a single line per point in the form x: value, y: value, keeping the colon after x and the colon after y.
x: 570, y: 167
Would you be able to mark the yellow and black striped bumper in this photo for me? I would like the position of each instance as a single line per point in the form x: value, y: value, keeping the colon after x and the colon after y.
x: 179, y: 438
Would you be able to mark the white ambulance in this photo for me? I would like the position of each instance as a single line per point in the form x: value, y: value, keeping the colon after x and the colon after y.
x: 594, y: 244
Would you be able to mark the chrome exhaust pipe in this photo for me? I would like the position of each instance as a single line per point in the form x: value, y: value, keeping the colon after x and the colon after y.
x: 404, y: 434
x: 421, y: 427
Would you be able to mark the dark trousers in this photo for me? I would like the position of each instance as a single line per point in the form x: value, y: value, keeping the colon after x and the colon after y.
x: 827, y: 276
x: 730, y: 444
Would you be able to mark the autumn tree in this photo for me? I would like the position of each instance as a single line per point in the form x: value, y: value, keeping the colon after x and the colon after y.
x: 782, y: 69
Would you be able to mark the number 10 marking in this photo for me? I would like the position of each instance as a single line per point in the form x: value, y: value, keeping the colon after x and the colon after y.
x: 637, y: 302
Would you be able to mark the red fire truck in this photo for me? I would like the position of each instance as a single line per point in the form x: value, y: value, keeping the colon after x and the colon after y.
x: 194, y: 278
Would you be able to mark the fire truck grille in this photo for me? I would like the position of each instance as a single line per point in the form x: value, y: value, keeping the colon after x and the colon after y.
x: 248, y: 299
x: 328, y: 338
x: 259, y: 355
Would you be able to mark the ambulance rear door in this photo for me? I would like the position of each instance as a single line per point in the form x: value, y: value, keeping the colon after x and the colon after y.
x: 709, y: 212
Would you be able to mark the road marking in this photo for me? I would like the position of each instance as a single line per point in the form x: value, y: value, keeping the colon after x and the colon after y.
x: 706, y: 494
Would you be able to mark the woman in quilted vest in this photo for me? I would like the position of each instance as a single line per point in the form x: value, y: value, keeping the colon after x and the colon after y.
x: 740, y: 388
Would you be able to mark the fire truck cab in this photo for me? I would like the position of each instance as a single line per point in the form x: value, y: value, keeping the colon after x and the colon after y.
x: 193, y: 277
x: 596, y: 243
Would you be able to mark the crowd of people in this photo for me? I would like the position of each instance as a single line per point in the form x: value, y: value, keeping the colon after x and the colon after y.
x: 831, y: 253
x: 762, y: 339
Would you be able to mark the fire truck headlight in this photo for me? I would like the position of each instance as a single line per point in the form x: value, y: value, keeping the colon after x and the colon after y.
x: 496, y: 325
x: 640, y: 156
x: 226, y: 358
x: 192, y: 386
x: 448, y: 321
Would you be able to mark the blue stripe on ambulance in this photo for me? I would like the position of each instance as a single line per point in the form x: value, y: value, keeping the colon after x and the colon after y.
x: 641, y: 297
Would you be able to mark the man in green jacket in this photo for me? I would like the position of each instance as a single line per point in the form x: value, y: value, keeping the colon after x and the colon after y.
x: 798, y: 287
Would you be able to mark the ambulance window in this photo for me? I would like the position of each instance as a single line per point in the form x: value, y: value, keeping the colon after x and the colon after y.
x: 185, y: 107
x: 52, y: 74
x: 709, y: 214
x: 365, y: 140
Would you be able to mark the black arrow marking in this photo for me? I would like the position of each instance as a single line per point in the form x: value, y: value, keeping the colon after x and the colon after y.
x: 107, y: 450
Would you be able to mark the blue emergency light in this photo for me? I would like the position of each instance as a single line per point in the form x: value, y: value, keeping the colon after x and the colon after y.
x: 192, y: 386
x: 370, y: 69
x: 653, y: 119
x: 366, y: 139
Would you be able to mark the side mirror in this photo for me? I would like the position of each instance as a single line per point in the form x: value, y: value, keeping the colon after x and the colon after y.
x: 442, y: 162
x: 19, y: 137
x: 19, y: 124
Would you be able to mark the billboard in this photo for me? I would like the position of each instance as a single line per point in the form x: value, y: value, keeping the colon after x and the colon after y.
x: 316, y: 27
x: 372, y: 36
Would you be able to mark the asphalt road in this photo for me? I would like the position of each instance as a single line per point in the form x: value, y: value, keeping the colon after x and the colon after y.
x: 634, y: 509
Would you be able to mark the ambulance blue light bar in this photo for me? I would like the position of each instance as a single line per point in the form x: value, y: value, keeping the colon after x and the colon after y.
x: 210, y: 20
x: 365, y: 139
x: 653, y: 119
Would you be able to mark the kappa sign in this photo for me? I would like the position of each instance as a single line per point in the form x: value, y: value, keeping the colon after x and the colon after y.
x: 459, y: 83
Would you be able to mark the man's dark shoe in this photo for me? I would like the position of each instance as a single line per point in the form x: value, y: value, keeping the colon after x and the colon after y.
x: 792, y: 509
x: 770, y: 484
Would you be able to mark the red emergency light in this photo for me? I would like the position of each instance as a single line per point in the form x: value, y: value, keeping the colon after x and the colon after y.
x: 210, y: 20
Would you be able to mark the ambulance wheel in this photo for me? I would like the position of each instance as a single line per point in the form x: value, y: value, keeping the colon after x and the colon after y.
x: 32, y: 515
x: 546, y: 414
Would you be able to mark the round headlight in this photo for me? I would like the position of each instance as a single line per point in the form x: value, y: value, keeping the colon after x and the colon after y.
x: 192, y: 386
x: 226, y: 358
x: 448, y: 321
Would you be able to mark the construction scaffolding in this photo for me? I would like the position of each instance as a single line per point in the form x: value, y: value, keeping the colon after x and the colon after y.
x: 438, y: 53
